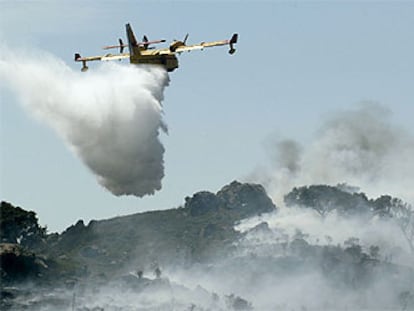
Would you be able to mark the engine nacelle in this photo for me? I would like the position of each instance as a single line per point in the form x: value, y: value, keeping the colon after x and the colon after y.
x: 175, y: 45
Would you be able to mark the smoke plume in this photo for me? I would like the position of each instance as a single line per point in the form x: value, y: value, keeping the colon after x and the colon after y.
x: 360, y: 147
x: 110, y: 117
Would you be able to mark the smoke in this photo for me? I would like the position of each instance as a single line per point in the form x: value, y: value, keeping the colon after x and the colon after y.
x: 294, y: 259
x: 360, y: 147
x: 110, y: 117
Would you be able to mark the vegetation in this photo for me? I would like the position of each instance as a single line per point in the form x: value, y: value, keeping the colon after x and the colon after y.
x: 20, y: 226
x: 201, y: 233
x: 200, y: 230
x: 326, y: 199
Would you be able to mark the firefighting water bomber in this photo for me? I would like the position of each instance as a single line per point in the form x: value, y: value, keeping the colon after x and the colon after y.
x: 144, y: 53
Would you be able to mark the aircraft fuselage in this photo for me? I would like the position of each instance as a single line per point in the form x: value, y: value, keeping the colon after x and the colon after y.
x: 168, y: 61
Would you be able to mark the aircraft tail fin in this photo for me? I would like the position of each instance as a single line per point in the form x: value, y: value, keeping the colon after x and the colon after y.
x: 233, y: 41
x: 132, y: 42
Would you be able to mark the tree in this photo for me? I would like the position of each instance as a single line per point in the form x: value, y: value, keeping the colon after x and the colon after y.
x: 374, y: 251
x: 404, y: 216
x: 324, y: 199
x: 237, y: 303
x: 19, y: 226
x: 157, y: 272
x: 406, y: 300
x: 401, y: 212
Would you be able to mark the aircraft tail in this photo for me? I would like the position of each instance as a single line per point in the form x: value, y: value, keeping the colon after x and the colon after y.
x: 233, y: 41
x: 132, y: 42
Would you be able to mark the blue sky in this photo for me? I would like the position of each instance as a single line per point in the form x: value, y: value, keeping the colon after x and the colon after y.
x: 297, y: 62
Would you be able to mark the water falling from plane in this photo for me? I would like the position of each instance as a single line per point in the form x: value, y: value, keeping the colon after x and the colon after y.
x: 110, y: 117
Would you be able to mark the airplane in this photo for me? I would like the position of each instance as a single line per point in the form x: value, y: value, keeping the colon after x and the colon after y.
x: 143, y: 53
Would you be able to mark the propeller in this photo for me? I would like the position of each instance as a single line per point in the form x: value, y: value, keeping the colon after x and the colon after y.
x: 121, y: 45
x: 185, y: 38
x: 145, y: 41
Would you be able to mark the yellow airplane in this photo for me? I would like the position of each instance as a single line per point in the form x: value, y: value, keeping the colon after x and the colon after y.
x: 142, y: 53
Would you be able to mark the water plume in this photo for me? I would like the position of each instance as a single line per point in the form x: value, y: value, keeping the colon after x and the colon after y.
x: 110, y: 117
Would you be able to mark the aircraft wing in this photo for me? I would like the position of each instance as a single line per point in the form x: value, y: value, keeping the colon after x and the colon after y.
x: 106, y: 57
x: 115, y: 57
x: 203, y: 45
x: 189, y: 48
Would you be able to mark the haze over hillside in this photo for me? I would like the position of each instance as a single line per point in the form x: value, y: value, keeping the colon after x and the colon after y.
x: 331, y: 247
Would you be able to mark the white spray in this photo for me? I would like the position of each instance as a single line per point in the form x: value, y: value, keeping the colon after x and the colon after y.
x: 109, y: 117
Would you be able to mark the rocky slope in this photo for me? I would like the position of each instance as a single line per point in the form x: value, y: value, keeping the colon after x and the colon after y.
x: 201, y: 229
x: 230, y: 250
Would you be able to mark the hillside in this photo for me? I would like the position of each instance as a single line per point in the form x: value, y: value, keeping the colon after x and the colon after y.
x: 198, y: 231
x: 230, y: 250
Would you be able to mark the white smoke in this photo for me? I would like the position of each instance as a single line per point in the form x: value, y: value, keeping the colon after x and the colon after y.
x: 360, y: 147
x: 110, y: 117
